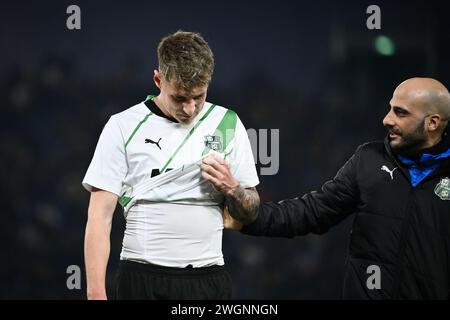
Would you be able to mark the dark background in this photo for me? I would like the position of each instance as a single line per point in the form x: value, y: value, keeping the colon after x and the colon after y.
x: 309, y: 69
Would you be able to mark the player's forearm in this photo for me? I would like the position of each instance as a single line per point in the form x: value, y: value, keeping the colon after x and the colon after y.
x: 96, y: 251
x: 243, y: 204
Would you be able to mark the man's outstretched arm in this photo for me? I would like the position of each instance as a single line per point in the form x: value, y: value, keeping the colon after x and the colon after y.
x: 315, y: 212
x: 243, y: 202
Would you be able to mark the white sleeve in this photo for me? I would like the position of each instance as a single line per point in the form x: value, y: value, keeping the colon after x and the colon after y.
x: 108, y: 167
x: 241, y: 159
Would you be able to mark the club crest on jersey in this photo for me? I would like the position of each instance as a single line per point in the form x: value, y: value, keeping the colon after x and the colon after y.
x: 442, y: 189
x: 213, y: 142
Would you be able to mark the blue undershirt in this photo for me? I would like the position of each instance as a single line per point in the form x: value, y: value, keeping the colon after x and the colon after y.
x: 427, y: 164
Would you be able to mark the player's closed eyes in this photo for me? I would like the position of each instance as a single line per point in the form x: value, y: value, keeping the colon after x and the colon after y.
x: 183, y: 99
x: 179, y: 99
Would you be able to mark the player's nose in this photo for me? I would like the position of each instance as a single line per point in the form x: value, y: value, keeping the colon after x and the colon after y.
x: 189, y: 107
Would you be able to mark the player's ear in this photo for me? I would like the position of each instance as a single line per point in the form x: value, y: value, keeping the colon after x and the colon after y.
x: 157, y: 78
x: 434, y: 122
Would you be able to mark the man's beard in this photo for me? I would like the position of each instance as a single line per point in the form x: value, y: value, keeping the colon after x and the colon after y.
x: 412, y: 142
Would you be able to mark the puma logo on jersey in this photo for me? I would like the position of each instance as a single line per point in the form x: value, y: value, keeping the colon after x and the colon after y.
x: 153, y: 142
x: 391, y: 172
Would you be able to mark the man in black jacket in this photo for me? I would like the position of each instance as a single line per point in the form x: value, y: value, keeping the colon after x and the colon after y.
x: 399, y: 191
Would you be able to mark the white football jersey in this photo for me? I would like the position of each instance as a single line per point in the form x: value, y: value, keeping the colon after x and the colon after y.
x: 173, y: 216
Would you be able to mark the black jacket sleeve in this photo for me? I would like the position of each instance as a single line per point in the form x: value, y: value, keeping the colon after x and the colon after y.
x: 315, y: 212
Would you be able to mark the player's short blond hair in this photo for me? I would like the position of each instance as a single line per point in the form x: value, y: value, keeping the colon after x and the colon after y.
x: 187, y: 58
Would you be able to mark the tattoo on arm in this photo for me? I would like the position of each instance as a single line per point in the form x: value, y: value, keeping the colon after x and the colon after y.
x: 243, y: 205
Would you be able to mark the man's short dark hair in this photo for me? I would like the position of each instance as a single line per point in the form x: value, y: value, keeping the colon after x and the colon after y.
x: 187, y: 58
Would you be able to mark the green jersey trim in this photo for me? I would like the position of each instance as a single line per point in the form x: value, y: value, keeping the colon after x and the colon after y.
x: 149, y: 97
x: 124, y: 200
x: 187, y: 137
x: 225, y: 130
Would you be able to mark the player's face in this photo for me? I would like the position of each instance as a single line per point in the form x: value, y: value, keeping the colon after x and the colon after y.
x: 181, y: 105
x: 406, y: 124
